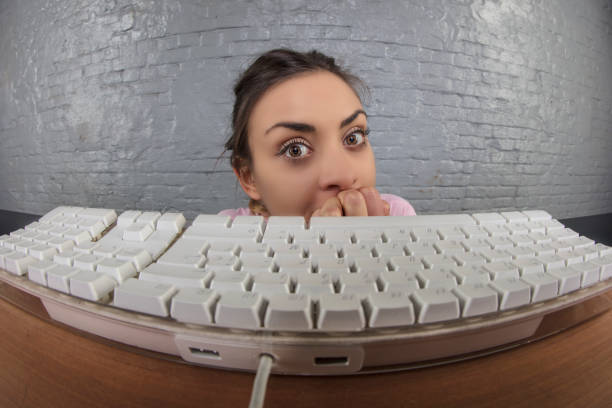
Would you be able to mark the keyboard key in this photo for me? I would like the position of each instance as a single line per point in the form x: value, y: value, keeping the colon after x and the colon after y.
x: 288, y: 312
x: 551, y: 262
x: 389, y: 309
x: 431, y: 261
x: 580, y: 242
x: 17, y: 263
x: 92, y: 285
x: 605, y: 267
x: 402, y: 281
x: 234, y: 281
x: 78, y: 235
x: 437, y: 277
x: 42, y: 252
x: 476, y: 299
x: 271, y: 283
x: 128, y: 218
x: 512, y: 292
x: 435, y: 305
x: 148, y: 217
x: 59, y: 278
x: 471, y: 274
x: 543, y: 286
x: 137, y: 256
x: 242, y: 310
x: 144, y: 296
x: 314, y: 284
x: 194, y: 305
x: 589, y: 272
x: 171, y: 222
x: 340, y: 312
x: 502, y: 270
x: 528, y: 265
x: 361, y: 283
x: 177, y: 276
x: 37, y: 271
x: 569, y: 279
x: 117, y: 269
x: 489, y: 218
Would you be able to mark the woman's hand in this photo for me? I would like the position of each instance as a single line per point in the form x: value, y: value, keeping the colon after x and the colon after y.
x: 365, y: 201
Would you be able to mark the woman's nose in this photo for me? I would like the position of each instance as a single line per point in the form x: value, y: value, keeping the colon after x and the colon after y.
x: 337, y: 171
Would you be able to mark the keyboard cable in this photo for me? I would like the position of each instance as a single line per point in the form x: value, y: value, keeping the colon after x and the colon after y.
x: 258, y: 393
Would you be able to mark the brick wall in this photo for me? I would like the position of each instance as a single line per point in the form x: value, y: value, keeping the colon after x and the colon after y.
x: 475, y: 106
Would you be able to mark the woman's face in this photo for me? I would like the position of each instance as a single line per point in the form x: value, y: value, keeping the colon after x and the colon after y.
x: 308, y: 142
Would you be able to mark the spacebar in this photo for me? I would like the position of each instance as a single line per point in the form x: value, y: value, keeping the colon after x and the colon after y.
x: 392, y: 221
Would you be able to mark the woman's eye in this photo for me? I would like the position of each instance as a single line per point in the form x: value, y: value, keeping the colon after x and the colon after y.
x: 296, y: 151
x: 355, y: 138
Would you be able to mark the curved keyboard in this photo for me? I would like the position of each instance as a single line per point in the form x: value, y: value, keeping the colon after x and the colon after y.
x: 335, y: 296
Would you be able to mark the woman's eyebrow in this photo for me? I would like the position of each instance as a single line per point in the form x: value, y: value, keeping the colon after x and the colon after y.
x: 300, y: 127
x: 352, y: 117
x: 305, y: 127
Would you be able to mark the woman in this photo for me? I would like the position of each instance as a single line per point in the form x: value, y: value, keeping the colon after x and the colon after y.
x: 300, y: 141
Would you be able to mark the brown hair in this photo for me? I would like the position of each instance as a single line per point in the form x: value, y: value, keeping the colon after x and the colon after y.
x: 266, y: 71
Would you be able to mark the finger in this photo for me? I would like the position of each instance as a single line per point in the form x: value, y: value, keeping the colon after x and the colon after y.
x: 387, y: 207
x: 353, y: 203
x: 374, y: 203
x: 330, y: 208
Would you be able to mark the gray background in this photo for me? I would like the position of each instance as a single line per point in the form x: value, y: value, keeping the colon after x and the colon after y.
x: 475, y: 106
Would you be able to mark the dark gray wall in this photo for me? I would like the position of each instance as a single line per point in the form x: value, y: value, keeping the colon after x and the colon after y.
x: 476, y: 106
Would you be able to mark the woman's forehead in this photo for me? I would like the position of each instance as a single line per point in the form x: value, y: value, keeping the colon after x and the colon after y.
x: 313, y: 97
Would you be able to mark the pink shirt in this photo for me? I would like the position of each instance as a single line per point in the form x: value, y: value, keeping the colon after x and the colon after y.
x: 398, y: 206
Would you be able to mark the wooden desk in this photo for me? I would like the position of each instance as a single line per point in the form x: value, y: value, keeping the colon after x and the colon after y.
x: 48, y: 365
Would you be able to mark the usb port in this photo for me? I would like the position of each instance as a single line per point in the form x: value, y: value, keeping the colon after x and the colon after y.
x: 204, y: 353
x: 331, y: 361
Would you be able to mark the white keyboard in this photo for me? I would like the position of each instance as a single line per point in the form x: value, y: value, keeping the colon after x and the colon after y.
x: 323, y: 298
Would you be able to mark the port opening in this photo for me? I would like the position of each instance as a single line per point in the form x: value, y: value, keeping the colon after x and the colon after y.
x: 331, y: 361
x: 200, y: 352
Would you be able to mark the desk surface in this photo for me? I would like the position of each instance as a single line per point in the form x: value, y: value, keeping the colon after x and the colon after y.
x: 45, y: 364
x: 49, y: 365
